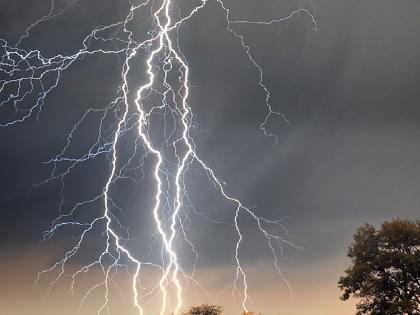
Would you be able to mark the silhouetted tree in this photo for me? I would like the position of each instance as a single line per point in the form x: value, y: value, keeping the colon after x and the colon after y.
x: 205, y: 309
x: 385, y: 269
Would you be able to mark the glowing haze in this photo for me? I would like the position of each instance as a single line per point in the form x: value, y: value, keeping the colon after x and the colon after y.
x: 157, y: 108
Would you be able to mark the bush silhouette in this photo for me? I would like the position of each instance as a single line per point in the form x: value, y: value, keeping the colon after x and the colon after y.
x: 204, y: 309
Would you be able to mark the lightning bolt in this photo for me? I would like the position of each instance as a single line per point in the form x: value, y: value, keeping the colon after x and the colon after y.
x: 28, y: 73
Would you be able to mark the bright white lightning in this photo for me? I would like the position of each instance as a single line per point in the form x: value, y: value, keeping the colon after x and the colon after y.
x: 163, y: 54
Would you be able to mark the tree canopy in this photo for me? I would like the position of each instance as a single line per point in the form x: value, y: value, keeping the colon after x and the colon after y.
x: 385, y: 269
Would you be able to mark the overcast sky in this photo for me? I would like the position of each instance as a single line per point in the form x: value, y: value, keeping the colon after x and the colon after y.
x: 350, y: 154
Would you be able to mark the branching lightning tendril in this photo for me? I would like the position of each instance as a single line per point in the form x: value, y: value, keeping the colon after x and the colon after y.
x: 29, y: 73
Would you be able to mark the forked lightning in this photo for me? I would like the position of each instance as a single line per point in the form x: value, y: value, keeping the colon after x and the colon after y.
x: 28, y: 77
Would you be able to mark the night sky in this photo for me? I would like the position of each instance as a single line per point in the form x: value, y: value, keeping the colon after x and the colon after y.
x: 350, y: 154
